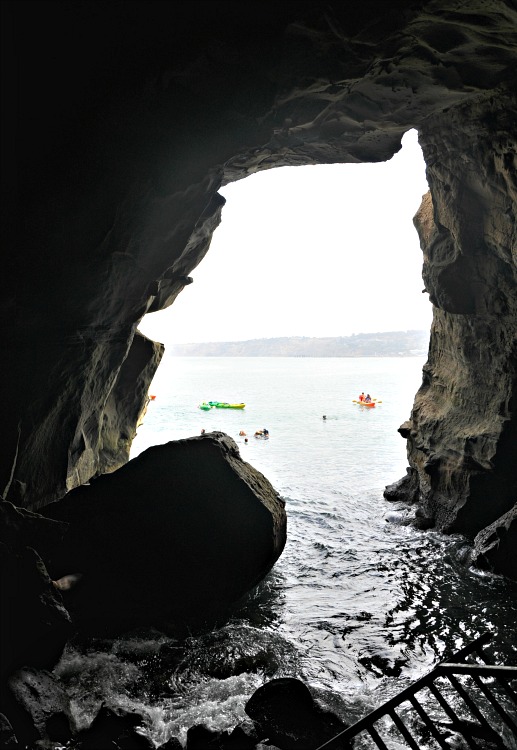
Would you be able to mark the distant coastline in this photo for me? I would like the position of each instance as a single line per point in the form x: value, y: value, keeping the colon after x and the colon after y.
x: 386, y: 344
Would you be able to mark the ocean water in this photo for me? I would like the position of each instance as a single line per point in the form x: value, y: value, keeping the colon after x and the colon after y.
x: 358, y: 605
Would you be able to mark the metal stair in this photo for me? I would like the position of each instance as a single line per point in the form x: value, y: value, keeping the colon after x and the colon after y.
x: 477, y: 701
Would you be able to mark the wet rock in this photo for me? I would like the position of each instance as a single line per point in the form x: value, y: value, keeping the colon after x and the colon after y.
x: 172, y: 744
x: 286, y: 714
x: 184, y: 530
x: 238, y: 739
x: 495, y: 548
x: 404, y: 490
x: 231, y: 651
x: 423, y: 521
x: 38, y: 707
x: 114, y: 728
x: 383, y: 663
x: 200, y: 737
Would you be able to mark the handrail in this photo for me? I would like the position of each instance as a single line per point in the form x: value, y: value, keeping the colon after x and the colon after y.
x: 482, y: 670
x: 444, y: 670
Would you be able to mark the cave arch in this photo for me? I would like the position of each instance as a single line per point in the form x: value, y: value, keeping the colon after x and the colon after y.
x: 295, y: 239
x: 122, y: 122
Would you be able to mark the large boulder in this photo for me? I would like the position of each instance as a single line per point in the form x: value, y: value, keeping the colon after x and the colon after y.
x: 183, y: 529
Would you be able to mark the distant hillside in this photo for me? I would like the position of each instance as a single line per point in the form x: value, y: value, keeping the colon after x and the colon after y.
x: 391, y: 344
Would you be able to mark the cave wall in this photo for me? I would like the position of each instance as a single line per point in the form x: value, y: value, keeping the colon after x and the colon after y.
x: 121, y: 122
x: 462, y: 431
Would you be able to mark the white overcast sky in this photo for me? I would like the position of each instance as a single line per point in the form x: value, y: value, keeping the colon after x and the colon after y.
x: 326, y: 250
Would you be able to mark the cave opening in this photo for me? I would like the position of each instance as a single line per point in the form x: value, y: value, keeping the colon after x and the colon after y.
x: 315, y: 251
x: 123, y: 118
x: 305, y: 259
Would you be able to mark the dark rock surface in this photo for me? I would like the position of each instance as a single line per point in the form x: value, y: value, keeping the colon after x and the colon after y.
x: 114, y: 728
x: 286, y: 714
x: 462, y: 435
x: 34, y: 623
x: 200, y: 737
x: 38, y: 707
x: 20, y: 528
x: 495, y: 548
x: 8, y: 739
x: 185, y: 529
x: 172, y: 744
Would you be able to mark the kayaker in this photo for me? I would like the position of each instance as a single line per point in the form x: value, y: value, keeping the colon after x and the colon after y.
x: 361, y: 397
x: 368, y: 399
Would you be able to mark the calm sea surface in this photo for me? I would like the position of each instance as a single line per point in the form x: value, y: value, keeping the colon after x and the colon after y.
x: 356, y: 606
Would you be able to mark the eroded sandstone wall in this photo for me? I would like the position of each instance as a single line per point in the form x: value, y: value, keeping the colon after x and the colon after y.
x: 462, y: 438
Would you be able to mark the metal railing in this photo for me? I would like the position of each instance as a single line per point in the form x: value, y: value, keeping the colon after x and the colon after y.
x: 450, y: 688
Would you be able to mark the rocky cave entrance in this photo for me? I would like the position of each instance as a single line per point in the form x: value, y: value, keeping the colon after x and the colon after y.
x: 118, y: 198
x: 121, y: 123
x: 322, y: 251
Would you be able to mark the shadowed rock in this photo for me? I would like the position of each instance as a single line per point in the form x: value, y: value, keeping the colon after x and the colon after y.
x: 8, y: 739
x: 185, y: 528
x: 286, y: 714
x: 200, y: 737
x: 34, y: 623
x: 114, y: 728
x: 495, y: 548
x: 38, y: 707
